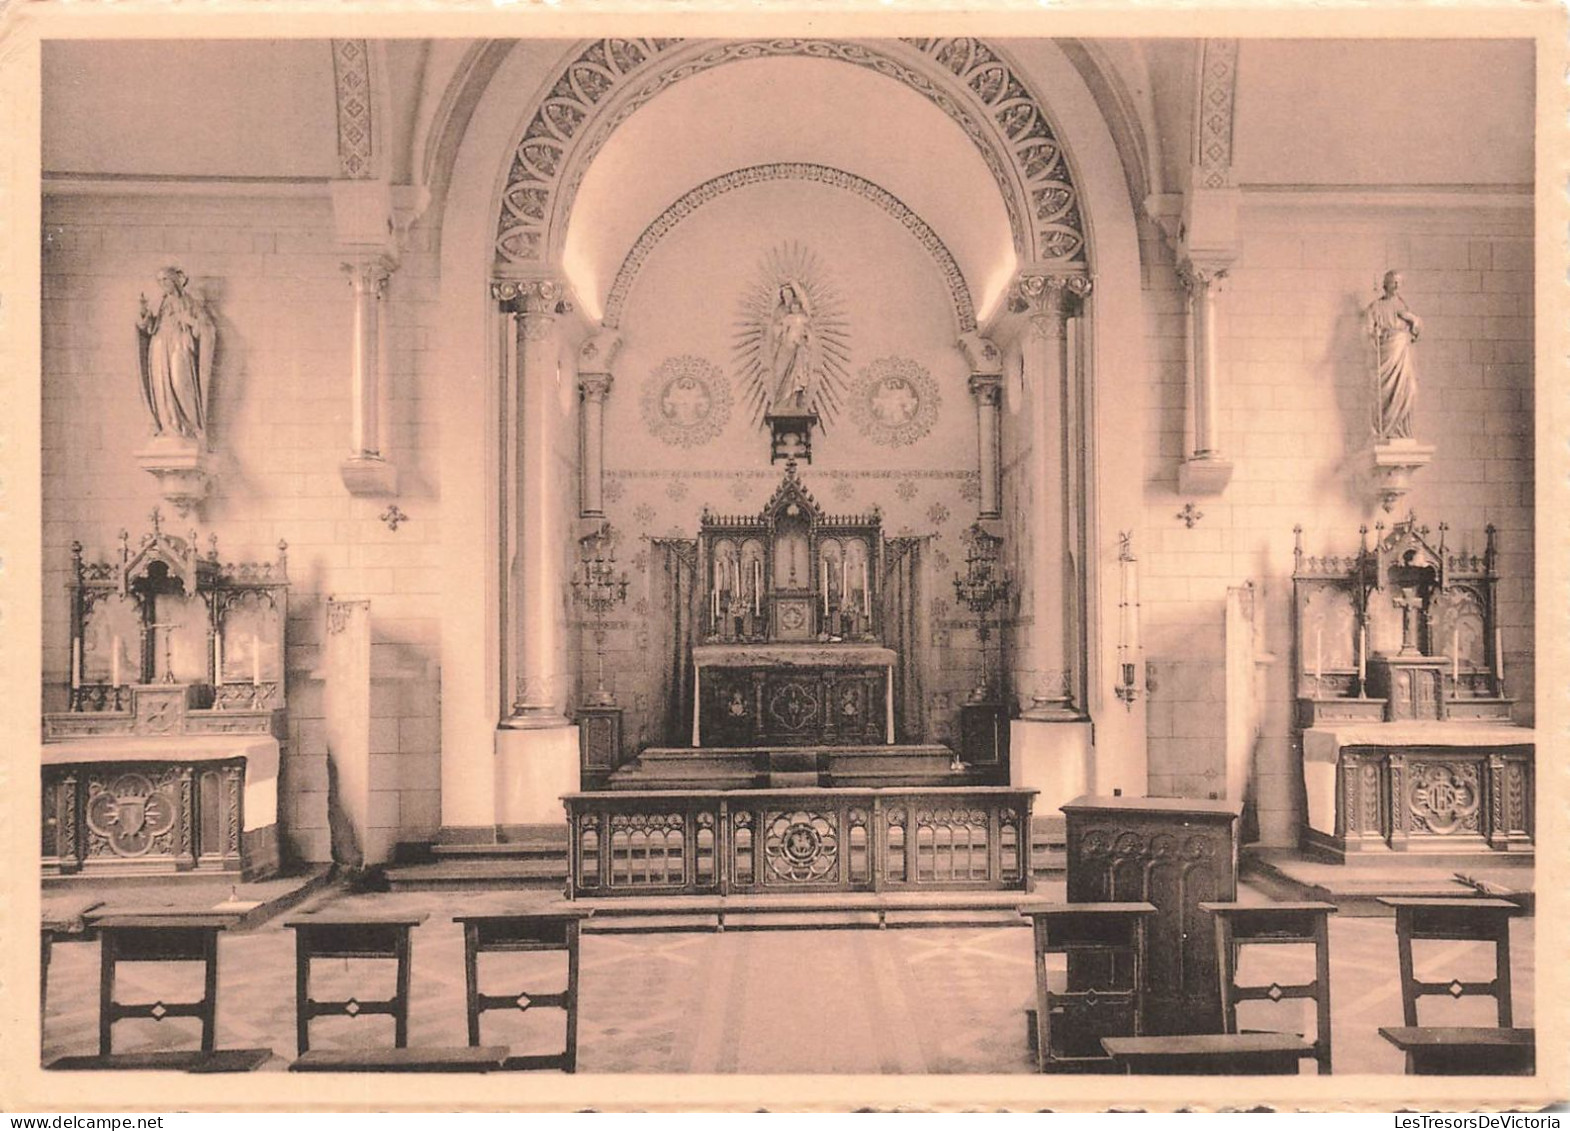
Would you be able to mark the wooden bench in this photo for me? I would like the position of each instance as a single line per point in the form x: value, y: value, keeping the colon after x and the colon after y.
x: 542, y: 931
x: 1434, y: 1051
x: 1453, y: 920
x: 1104, y: 945
x: 1275, y: 924
x: 162, y: 938
x: 1230, y: 1054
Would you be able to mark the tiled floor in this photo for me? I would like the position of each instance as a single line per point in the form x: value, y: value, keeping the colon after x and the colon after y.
x: 928, y: 1000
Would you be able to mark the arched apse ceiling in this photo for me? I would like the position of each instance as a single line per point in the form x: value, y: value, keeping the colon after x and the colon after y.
x: 971, y: 84
x: 770, y: 116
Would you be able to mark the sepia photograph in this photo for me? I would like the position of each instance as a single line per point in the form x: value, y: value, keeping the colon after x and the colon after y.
x: 578, y: 559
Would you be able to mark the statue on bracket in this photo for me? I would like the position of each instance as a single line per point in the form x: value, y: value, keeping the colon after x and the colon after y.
x: 792, y: 339
x: 1393, y: 328
x: 176, y: 343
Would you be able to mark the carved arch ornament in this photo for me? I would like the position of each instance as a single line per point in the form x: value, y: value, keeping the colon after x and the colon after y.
x: 608, y: 80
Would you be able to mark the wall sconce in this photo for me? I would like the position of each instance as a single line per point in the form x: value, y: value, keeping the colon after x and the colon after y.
x: 1129, y: 655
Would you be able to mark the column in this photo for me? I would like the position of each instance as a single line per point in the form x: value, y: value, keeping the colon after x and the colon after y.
x: 1204, y: 470
x: 536, y: 574
x: 594, y: 385
x: 1048, y: 300
x: 986, y: 385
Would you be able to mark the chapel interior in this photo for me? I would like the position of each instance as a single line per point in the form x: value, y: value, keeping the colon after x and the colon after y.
x: 921, y: 477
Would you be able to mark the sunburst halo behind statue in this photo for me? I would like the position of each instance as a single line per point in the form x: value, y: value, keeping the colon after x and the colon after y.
x: 792, y: 338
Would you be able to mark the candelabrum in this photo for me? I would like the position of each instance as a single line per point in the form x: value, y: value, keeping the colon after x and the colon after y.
x: 596, y: 587
x: 980, y: 588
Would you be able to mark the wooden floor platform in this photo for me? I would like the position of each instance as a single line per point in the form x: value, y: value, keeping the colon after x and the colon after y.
x: 1286, y: 874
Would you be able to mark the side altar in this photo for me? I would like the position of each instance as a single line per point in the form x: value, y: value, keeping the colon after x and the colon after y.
x: 799, y: 767
x: 166, y: 758
x: 1408, y: 746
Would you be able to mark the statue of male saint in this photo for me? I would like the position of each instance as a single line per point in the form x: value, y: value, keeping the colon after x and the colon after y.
x: 176, y: 357
x: 1394, y: 328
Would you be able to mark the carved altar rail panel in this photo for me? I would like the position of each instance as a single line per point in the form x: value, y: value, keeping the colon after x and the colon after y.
x: 773, y: 841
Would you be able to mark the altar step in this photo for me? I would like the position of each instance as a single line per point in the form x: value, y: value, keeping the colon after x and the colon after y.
x: 1286, y: 874
x: 792, y: 768
x: 538, y: 861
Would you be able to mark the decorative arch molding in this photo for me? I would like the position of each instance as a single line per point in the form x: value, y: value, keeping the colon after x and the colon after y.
x: 711, y: 190
x: 352, y: 86
x: 609, y: 80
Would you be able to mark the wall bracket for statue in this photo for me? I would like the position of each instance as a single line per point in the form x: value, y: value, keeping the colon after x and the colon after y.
x: 177, y: 342
x: 1396, y: 455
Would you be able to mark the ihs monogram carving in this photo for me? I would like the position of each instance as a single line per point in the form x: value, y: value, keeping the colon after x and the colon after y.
x: 1445, y: 796
x: 894, y: 402
x: 709, y: 191
x: 793, y: 339
x: 686, y: 401
x: 611, y: 79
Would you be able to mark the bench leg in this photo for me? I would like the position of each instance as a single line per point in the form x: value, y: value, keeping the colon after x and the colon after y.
x: 1502, y: 973
x: 106, y: 961
x: 302, y: 993
x: 1404, y: 956
x: 1322, y: 993
x: 570, y: 1056
x: 471, y: 980
x: 401, y: 996
x: 210, y: 993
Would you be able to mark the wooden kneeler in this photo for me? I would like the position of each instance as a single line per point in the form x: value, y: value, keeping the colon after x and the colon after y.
x: 161, y: 938
x: 349, y: 935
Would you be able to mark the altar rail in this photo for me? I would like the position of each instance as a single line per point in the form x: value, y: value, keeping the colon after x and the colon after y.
x: 755, y: 841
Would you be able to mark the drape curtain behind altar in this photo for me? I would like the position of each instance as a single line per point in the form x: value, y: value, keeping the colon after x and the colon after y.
x: 905, y: 631
x: 673, y: 621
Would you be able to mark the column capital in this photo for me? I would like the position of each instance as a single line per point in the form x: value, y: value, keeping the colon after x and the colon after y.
x: 987, y: 388
x: 541, y: 295
x: 368, y: 274
x: 1047, y: 292
x: 595, y: 387
x: 1204, y: 275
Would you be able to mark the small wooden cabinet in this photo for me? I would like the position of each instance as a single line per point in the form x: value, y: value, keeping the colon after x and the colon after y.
x: 1175, y: 854
x: 599, y: 744
x: 984, y: 734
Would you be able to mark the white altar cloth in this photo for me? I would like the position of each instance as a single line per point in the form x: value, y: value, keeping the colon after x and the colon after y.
x: 260, y: 751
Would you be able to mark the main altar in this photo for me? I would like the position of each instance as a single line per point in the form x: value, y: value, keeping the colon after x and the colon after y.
x: 797, y: 771
x: 1409, y: 751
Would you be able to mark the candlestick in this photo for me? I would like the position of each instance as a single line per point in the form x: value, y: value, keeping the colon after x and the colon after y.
x: 757, y: 587
x: 76, y: 664
x: 1455, y: 658
x: 256, y: 661
x: 1319, y: 671
x: 1499, y: 655
x: 888, y: 699
x: 823, y: 572
x: 866, y: 593
x: 1362, y: 659
x: 114, y: 664
x: 218, y: 658
x: 844, y: 581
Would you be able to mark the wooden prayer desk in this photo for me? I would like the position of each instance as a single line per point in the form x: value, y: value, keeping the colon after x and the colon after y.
x: 1238, y: 1054
x: 1454, y: 920
x: 345, y: 934
x: 1434, y: 1051
x: 543, y: 931
x: 1244, y: 924
x: 162, y: 938
x: 1104, y: 944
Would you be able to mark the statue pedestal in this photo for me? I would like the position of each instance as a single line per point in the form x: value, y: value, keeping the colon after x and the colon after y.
x: 1393, y: 464
x: 182, y: 467
x: 369, y: 476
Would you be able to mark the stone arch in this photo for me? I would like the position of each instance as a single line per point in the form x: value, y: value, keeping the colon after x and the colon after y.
x: 710, y: 190
x: 608, y: 80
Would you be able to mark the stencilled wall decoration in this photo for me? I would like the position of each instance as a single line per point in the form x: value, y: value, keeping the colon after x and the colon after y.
x: 793, y: 338
x: 686, y: 401
x: 894, y: 402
